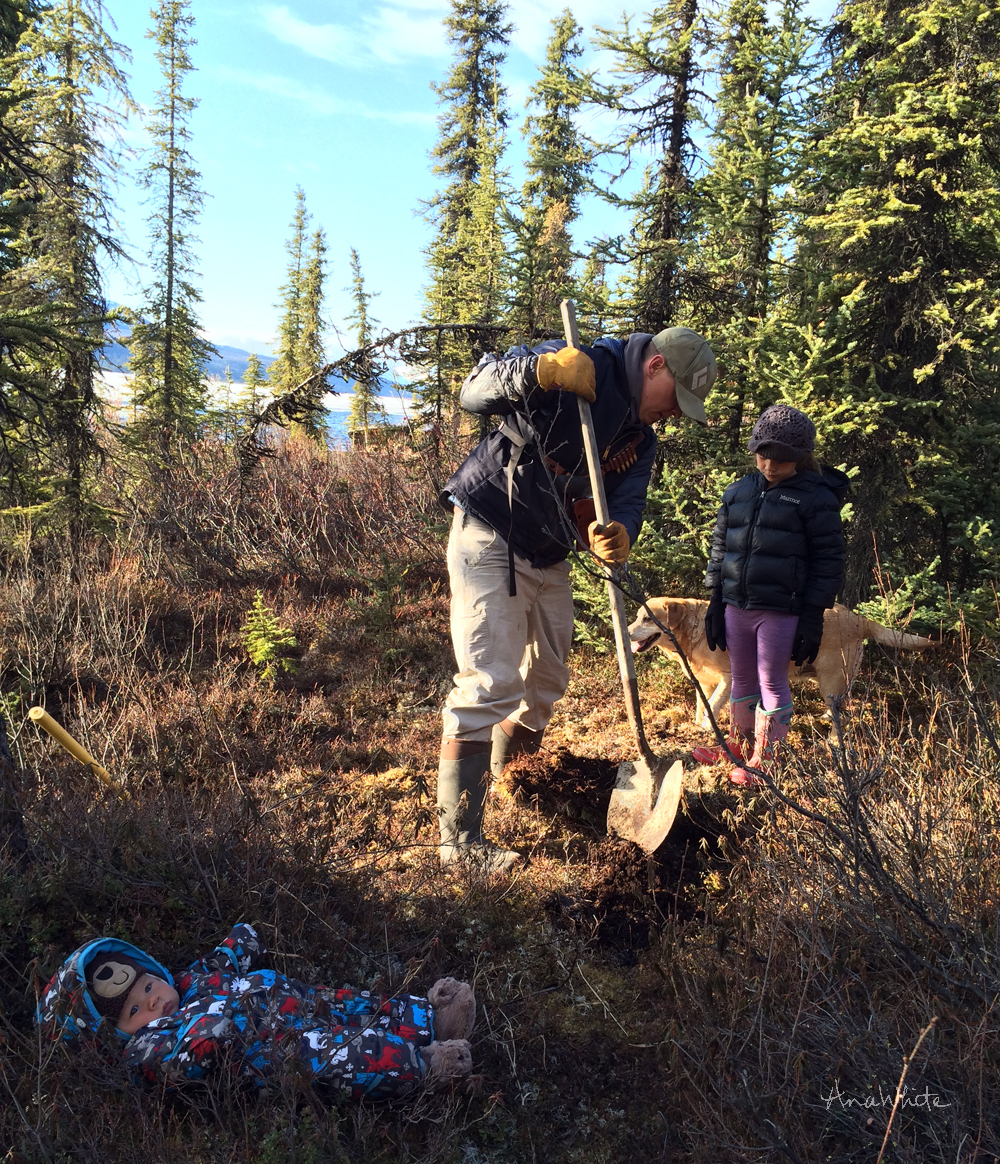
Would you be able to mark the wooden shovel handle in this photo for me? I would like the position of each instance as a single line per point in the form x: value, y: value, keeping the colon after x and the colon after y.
x: 626, y: 664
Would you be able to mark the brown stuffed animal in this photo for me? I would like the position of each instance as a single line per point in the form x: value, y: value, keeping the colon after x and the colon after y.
x: 450, y: 1055
x: 454, y: 1009
x: 451, y: 1059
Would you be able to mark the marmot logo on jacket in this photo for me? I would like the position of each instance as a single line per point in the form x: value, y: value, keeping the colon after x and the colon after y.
x: 785, y: 497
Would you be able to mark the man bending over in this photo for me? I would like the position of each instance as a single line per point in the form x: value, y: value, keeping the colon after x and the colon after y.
x: 522, y: 503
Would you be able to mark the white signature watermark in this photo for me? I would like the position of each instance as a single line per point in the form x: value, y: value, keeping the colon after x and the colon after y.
x: 925, y: 1099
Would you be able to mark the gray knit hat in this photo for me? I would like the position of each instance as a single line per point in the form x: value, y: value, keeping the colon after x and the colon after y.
x: 690, y: 359
x: 783, y: 434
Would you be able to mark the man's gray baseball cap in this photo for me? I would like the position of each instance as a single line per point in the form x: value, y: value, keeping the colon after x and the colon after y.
x: 690, y: 359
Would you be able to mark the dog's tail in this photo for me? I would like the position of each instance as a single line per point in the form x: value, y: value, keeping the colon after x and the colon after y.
x: 899, y: 640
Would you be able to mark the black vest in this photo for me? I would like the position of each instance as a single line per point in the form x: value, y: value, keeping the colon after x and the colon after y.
x: 551, y: 467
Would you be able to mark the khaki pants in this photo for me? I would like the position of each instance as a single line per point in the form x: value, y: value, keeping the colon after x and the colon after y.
x: 511, y: 652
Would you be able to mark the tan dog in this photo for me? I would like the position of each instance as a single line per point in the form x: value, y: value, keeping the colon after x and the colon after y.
x: 837, y: 663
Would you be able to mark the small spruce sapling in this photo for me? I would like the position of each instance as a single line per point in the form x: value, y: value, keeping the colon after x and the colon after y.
x: 267, y: 642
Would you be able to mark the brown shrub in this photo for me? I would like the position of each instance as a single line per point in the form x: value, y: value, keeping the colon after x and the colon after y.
x: 743, y: 997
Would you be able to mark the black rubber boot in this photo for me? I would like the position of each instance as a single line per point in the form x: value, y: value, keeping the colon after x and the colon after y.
x: 510, y: 740
x: 461, y: 801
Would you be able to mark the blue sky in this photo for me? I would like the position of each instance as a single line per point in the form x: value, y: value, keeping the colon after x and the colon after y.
x: 334, y: 96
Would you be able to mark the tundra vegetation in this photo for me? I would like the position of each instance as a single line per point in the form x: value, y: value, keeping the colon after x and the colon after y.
x: 249, y: 629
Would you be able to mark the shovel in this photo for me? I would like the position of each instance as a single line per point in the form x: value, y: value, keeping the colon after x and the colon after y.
x: 647, y: 790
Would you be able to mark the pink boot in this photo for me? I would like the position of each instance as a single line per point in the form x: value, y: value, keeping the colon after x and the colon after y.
x: 770, y: 728
x: 741, y: 729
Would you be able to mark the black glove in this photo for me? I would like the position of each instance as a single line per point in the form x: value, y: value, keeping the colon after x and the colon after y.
x: 808, y: 635
x: 715, y: 622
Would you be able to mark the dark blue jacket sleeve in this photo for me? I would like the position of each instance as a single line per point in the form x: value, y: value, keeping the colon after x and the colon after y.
x: 498, y: 383
x: 494, y: 386
x: 628, y: 501
x: 240, y: 952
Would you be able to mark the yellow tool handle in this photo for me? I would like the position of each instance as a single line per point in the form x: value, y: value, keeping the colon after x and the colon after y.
x: 62, y: 737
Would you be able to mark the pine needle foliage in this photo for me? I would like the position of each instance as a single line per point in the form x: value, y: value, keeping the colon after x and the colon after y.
x: 168, y: 353
x: 284, y: 371
x: 366, y: 411
x: 655, y: 100
x: 301, y: 325
x: 733, y: 274
x: 66, y: 95
x: 312, y: 347
x: 467, y: 263
x: 900, y: 248
x: 558, y: 164
x: 255, y: 385
x: 267, y: 642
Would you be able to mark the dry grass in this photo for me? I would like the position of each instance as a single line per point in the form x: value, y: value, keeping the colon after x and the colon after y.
x: 750, y: 996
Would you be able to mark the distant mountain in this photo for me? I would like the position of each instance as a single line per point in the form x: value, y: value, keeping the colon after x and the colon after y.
x: 236, y: 360
x: 114, y: 357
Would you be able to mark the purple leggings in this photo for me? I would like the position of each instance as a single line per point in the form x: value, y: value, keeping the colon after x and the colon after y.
x: 760, y: 648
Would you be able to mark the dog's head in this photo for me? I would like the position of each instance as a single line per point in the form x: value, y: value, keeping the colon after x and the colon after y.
x: 672, y: 612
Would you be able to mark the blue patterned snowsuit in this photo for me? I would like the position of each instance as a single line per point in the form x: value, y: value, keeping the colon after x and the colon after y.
x: 258, y: 1023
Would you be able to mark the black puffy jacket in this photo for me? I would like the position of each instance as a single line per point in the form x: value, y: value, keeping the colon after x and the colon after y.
x: 780, y: 548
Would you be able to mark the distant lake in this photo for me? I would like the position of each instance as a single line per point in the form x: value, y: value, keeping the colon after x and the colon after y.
x: 338, y: 404
x: 338, y: 407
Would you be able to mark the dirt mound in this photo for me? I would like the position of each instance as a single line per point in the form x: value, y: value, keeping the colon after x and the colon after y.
x: 624, y: 894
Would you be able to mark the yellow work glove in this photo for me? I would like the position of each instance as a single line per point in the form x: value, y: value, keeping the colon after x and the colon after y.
x: 568, y: 369
x: 609, y: 542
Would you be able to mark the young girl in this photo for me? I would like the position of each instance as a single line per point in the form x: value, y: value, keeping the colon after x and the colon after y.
x: 777, y: 563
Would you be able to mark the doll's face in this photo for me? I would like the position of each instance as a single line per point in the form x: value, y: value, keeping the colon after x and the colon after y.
x: 150, y: 998
x: 775, y: 471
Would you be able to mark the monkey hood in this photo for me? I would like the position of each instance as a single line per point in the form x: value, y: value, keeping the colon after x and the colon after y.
x: 67, y: 1008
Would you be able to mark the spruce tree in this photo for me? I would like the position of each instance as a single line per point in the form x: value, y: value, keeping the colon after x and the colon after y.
x: 654, y: 102
x: 483, y: 276
x: 558, y: 163
x: 168, y: 354
x: 255, y: 383
x: 284, y: 372
x: 311, y: 354
x: 901, y: 253
x: 221, y: 416
x: 66, y: 70
x: 746, y: 201
x: 472, y: 98
x: 24, y: 327
x: 464, y: 286
x: 595, y: 303
x: 366, y: 411
x: 736, y: 271
x: 301, y: 326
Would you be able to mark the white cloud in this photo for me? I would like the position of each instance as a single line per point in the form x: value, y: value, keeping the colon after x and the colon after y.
x: 322, y: 103
x: 400, y: 31
x: 532, y: 20
x: 391, y: 34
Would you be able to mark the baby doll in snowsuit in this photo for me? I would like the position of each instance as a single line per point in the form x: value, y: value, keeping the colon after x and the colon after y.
x: 226, y: 1008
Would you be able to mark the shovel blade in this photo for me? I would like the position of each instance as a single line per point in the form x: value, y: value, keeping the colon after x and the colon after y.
x: 630, y: 814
